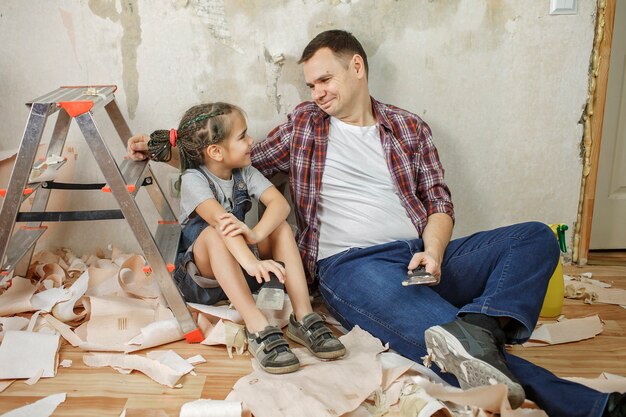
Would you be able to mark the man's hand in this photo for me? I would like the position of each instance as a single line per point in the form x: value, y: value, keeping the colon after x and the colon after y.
x: 137, y: 147
x: 430, y: 262
x: 231, y: 226
x: 436, y: 236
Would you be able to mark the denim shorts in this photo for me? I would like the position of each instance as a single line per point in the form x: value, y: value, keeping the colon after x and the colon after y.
x: 194, y: 293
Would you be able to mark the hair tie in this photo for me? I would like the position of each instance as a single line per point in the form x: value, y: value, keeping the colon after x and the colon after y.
x: 173, y: 137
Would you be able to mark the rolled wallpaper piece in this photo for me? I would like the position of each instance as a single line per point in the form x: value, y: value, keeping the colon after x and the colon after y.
x: 212, y: 408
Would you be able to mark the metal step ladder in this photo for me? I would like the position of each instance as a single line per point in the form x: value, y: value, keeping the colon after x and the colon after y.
x: 123, y: 181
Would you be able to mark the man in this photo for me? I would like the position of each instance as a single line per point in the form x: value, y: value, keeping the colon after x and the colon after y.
x: 371, y: 203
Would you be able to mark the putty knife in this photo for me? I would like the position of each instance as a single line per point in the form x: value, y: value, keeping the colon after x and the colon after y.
x: 271, y: 295
x: 419, y: 276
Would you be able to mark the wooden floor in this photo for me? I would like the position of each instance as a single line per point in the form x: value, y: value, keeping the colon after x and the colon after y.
x: 104, y: 392
x: 607, y: 257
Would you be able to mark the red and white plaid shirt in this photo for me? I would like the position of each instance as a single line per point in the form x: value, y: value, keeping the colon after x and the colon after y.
x: 298, y: 148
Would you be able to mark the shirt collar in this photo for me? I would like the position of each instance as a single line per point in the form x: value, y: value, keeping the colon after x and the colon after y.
x: 380, y: 113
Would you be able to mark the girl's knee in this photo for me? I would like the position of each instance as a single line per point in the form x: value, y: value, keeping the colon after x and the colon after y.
x: 283, y: 229
x: 210, y: 237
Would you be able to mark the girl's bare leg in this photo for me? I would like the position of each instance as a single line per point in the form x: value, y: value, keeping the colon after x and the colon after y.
x: 214, y: 260
x: 281, y: 246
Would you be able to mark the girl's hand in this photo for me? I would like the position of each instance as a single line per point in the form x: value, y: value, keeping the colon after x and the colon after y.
x: 230, y: 226
x: 261, y: 270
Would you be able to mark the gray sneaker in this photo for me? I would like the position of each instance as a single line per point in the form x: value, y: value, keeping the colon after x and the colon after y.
x: 474, y: 356
x: 313, y: 333
x: 272, y: 351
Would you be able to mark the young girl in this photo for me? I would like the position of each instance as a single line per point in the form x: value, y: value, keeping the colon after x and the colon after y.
x: 215, y: 261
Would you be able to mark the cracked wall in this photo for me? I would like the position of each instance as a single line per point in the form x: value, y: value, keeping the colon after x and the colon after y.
x: 501, y: 84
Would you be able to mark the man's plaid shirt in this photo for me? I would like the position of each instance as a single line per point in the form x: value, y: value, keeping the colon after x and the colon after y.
x: 298, y: 148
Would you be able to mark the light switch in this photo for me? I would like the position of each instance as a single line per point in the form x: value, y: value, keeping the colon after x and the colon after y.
x: 563, y: 7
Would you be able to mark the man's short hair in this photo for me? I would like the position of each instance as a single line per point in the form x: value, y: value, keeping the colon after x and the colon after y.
x: 342, y: 44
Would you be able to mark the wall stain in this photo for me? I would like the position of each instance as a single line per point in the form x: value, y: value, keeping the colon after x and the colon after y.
x: 377, y: 23
x: 330, y: 2
x: 214, y: 12
x: 131, y: 39
x: 374, y: 23
x: 68, y: 22
x: 273, y: 68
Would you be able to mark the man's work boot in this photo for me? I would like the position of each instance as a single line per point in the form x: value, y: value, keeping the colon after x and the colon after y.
x: 474, y: 355
x: 616, y: 405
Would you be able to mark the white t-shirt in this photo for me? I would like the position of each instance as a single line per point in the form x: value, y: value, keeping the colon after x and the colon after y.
x: 359, y: 205
x: 195, y: 189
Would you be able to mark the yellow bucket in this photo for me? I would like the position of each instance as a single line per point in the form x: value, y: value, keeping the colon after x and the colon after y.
x: 553, y: 302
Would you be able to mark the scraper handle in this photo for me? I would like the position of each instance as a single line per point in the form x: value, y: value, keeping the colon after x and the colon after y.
x: 274, y: 282
x: 419, y: 276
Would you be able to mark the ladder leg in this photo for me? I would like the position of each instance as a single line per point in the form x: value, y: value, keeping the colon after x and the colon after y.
x: 42, y: 195
x: 139, y: 227
x: 118, y: 121
x: 21, y: 171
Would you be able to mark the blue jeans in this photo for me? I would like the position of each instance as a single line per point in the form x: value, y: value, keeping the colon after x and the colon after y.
x: 193, y: 293
x: 500, y: 273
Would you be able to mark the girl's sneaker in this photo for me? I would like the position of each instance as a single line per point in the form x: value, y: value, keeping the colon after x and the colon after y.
x: 272, y: 351
x: 313, y: 333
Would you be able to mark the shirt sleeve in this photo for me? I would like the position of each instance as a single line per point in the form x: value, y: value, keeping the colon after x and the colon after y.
x: 255, y: 182
x: 431, y: 187
x: 271, y: 155
x: 194, y: 190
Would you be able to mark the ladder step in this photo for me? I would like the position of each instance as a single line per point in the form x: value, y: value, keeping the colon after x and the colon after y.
x: 68, y: 216
x: 32, y: 186
x: 167, y: 237
x: 134, y: 173
x: 20, y: 244
x: 78, y: 93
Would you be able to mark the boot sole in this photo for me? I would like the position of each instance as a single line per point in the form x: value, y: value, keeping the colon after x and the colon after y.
x: 451, y: 356
x: 322, y: 355
x: 280, y: 369
x: 287, y: 369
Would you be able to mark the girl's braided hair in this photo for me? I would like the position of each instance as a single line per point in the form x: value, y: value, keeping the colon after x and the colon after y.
x: 201, y: 126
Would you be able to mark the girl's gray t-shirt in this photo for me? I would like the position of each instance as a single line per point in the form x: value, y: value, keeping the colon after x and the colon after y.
x: 195, y: 189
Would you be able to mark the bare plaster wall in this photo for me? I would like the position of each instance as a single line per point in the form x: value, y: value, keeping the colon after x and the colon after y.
x: 502, y: 84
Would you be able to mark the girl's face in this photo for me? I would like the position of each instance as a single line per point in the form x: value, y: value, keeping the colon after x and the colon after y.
x: 237, y: 146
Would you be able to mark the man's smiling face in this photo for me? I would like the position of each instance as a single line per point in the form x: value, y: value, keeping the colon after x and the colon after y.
x: 332, y: 81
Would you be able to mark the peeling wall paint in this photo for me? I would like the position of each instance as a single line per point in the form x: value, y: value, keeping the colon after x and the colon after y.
x: 587, y: 139
x: 213, y: 11
x: 128, y: 17
x: 501, y: 83
x: 273, y: 67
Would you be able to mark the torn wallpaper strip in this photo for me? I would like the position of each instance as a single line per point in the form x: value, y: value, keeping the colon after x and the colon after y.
x: 605, y: 295
x: 24, y: 354
x: 319, y: 388
x: 42, y: 408
x: 17, y: 298
x: 12, y: 323
x: 571, y: 330
x: 214, y: 408
x: 605, y: 382
x: 154, y: 369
